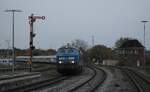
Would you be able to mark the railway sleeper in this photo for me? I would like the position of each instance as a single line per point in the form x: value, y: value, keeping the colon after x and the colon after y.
x: 6, y: 86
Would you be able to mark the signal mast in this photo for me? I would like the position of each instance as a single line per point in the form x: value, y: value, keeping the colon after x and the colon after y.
x: 32, y: 19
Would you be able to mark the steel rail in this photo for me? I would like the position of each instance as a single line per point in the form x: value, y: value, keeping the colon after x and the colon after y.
x: 82, y: 84
x: 144, y: 78
x: 90, y: 79
x: 132, y: 78
x: 102, y: 79
x: 134, y: 81
x: 18, y: 76
x: 39, y: 84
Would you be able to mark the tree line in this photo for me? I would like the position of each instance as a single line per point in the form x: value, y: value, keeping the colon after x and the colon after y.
x: 96, y: 53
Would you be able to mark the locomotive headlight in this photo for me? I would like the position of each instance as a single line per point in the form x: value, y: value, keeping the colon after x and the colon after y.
x: 60, y: 62
x: 72, y: 62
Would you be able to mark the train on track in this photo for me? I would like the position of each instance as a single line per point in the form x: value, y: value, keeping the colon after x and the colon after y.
x: 69, y: 60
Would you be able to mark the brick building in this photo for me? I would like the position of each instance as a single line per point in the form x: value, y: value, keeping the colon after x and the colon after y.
x: 131, y: 53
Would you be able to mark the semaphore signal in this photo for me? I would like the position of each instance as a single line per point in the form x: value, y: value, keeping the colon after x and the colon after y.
x: 32, y: 19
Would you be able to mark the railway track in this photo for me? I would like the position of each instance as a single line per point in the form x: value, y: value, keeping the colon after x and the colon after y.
x: 44, y: 83
x: 62, y: 79
x: 37, y: 67
x: 8, y: 77
x: 21, y: 82
x: 139, y: 81
x: 93, y: 85
x: 102, y: 79
x: 11, y: 82
x: 5, y: 70
x: 38, y: 85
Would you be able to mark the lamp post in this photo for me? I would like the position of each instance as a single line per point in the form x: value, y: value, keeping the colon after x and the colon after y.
x: 8, y: 47
x: 13, y: 47
x: 144, y: 22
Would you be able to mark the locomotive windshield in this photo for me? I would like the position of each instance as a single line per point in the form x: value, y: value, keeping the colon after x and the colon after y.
x: 67, y: 51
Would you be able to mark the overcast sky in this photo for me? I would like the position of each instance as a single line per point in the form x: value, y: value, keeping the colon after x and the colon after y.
x: 66, y: 20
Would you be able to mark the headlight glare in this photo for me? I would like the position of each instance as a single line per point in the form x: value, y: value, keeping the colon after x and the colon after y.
x: 60, y: 62
x: 72, y: 62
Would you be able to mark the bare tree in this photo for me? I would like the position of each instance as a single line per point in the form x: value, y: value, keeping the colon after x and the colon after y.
x: 80, y: 44
x: 120, y: 41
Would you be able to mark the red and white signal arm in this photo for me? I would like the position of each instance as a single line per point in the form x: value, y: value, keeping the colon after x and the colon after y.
x: 39, y: 17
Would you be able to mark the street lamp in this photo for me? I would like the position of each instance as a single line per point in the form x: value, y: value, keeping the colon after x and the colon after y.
x: 144, y: 38
x: 13, y: 12
x: 8, y: 48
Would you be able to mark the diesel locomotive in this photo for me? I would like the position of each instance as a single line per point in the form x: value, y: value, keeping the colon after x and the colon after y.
x: 69, y: 60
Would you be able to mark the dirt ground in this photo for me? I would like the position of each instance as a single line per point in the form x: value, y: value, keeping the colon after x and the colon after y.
x: 116, y: 82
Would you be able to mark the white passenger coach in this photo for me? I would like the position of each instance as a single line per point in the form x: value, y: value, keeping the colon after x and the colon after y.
x: 48, y: 59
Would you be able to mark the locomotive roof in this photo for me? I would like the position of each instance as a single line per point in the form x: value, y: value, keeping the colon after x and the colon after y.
x: 67, y: 50
x: 67, y: 47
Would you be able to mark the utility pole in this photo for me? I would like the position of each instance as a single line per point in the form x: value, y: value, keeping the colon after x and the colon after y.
x: 13, y: 47
x: 144, y: 40
x: 92, y: 40
x: 32, y: 19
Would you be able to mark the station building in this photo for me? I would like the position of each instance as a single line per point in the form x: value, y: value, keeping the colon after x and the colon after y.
x: 131, y: 53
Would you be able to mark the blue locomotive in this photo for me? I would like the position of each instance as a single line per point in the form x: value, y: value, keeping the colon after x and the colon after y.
x: 69, y: 60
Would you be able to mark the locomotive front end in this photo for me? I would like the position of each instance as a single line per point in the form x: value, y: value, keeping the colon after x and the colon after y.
x: 68, y: 60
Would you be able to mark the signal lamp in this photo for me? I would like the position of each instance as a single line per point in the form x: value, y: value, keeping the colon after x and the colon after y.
x: 32, y: 47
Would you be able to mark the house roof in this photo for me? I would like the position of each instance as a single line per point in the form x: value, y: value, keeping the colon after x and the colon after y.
x: 131, y: 43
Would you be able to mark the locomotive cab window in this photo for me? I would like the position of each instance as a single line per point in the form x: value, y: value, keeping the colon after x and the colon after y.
x: 70, y: 51
x: 62, y: 51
